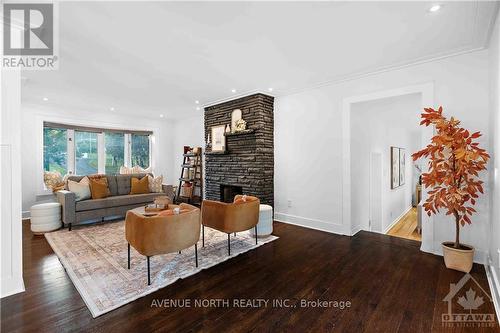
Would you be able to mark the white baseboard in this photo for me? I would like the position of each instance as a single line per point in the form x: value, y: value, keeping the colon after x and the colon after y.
x: 356, y: 230
x: 11, y: 286
x: 312, y: 223
x: 396, y: 220
x: 494, y: 283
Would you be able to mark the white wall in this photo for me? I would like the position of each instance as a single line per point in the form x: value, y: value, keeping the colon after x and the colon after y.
x: 375, y: 127
x: 11, y: 273
x: 308, y: 142
x: 186, y: 132
x: 32, y: 143
x: 494, y: 166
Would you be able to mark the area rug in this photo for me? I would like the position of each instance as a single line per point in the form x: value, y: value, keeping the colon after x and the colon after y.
x: 95, y: 258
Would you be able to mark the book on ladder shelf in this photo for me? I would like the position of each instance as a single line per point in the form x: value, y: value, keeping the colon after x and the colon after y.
x: 190, y: 188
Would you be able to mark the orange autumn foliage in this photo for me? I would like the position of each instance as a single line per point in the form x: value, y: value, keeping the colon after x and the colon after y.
x: 455, y: 160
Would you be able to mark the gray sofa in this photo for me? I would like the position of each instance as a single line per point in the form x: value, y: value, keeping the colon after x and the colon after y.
x: 120, y: 201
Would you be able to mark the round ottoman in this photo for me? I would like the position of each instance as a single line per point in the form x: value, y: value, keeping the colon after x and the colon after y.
x: 265, y: 225
x: 45, y: 217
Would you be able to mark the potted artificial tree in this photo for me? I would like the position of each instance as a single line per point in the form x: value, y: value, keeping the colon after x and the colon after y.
x: 455, y: 160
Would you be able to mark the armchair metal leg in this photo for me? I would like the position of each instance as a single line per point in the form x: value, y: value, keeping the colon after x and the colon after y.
x: 203, y: 236
x: 69, y: 226
x: 256, y: 234
x: 234, y: 234
x: 149, y: 273
x: 196, y: 253
x: 229, y: 244
x: 128, y: 248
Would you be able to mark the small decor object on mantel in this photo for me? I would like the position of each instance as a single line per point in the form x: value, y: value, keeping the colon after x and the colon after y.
x: 455, y: 161
x: 228, y: 129
x: 209, y: 143
x: 235, y: 116
x: 218, y: 138
x: 241, y: 125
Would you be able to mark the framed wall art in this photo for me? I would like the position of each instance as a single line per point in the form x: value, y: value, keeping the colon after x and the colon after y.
x: 218, y: 138
x: 398, y: 167
x: 402, y: 166
x: 394, y: 167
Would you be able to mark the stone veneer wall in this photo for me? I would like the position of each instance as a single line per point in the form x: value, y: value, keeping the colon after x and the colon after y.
x: 249, y: 158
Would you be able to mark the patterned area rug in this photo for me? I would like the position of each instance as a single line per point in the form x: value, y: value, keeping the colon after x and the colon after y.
x: 95, y: 258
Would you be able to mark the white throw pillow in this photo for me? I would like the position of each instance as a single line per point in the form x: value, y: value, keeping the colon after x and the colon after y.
x: 136, y: 169
x: 125, y: 170
x: 155, y: 184
x: 81, y: 189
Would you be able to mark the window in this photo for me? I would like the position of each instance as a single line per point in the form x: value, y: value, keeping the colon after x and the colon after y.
x: 86, y: 159
x: 55, y: 150
x: 114, y: 144
x: 140, y: 150
x: 83, y: 150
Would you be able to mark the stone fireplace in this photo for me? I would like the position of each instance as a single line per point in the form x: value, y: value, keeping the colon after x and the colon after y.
x: 247, y: 165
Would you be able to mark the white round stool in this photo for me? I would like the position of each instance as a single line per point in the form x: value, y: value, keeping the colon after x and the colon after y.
x: 265, y: 225
x: 45, y: 217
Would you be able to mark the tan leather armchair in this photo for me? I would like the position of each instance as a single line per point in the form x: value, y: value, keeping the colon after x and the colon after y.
x: 230, y: 217
x: 163, y: 234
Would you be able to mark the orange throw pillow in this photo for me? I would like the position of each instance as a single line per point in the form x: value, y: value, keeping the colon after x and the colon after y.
x: 139, y: 186
x: 99, y: 188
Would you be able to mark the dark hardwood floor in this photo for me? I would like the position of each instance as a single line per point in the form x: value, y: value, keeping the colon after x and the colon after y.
x: 392, y: 287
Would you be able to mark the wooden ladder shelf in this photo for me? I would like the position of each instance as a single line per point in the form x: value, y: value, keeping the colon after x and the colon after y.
x: 190, y: 188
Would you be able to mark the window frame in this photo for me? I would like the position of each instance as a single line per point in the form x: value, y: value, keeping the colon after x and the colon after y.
x: 101, y: 147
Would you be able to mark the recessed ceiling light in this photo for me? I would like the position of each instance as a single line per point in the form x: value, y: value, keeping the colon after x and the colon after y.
x: 161, y: 116
x: 269, y: 89
x: 435, y: 8
x: 112, y: 109
x: 233, y: 90
x: 45, y: 99
x: 197, y: 102
x: 198, y: 108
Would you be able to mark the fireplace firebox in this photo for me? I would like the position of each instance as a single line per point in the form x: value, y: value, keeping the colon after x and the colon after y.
x: 228, y: 192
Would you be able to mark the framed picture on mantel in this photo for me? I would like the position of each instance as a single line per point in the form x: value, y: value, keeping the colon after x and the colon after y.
x: 218, y: 138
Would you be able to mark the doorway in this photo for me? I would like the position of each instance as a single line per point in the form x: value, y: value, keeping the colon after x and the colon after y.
x: 377, y: 128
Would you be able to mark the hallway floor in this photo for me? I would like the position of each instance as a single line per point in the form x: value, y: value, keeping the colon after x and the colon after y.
x: 406, y: 227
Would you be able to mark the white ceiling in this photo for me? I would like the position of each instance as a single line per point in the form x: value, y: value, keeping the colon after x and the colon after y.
x: 158, y: 58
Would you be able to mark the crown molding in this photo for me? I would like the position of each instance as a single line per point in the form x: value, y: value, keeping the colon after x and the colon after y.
x: 235, y: 96
x: 381, y: 70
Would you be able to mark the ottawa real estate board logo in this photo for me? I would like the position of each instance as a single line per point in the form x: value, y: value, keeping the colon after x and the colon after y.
x: 29, y: 36
x: 468, y: 305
